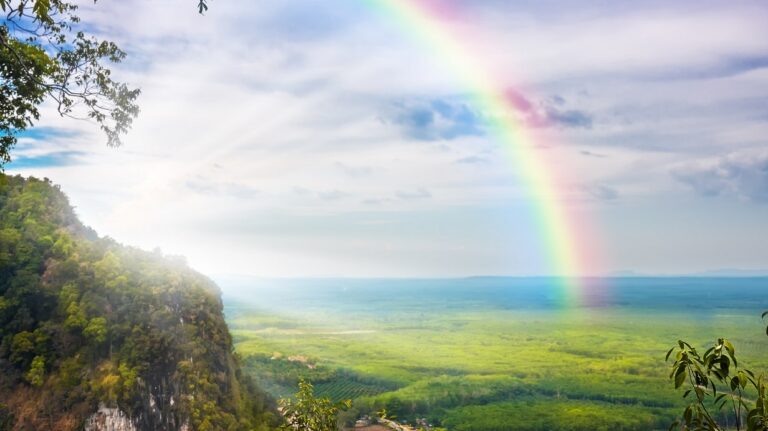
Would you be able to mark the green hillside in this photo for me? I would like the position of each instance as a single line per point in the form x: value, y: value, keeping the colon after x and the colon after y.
x: 86, y: 322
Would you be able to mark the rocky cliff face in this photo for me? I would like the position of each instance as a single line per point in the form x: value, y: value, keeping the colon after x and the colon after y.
x: 98, y: 336
x: 109, y: 419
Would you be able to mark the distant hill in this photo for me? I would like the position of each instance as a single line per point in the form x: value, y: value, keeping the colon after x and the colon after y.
x: 733, y: 273
x: 724, y: 273
x: 94, y: 334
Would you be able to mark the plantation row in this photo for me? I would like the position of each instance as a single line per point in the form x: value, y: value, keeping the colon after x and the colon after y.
x: 342, y: 389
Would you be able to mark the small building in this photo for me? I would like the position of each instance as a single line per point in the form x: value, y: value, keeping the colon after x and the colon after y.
x: 363, y: 422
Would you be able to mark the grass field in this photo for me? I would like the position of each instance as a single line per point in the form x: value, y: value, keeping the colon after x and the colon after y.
x: 493, y: 354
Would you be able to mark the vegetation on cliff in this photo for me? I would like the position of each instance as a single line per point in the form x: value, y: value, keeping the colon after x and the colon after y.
x: 85, y: 321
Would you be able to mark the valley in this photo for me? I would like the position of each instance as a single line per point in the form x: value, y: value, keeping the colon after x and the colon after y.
x: 493, y: 353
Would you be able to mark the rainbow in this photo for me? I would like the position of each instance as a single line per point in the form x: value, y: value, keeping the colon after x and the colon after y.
x: 555, y: 225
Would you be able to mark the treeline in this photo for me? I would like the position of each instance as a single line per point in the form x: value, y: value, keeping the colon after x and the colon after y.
x: 547, y: 414
x: 497, y: 402
x: 282, y: 375
x: 85, y: 321
x: 431, y: 398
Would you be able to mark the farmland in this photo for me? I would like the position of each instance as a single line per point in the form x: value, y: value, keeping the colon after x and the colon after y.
x: 493, y: 354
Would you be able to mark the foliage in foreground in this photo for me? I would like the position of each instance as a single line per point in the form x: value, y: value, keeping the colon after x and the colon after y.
x: 84, y: 321
x: 719, y: 390
x: 309, y: 413
x: 47, y: 53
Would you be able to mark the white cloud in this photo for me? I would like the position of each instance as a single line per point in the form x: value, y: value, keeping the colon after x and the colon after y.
x: 253, y: 102
x: 743, y: 175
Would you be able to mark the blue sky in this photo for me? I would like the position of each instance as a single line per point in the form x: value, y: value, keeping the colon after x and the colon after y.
x: 295, y: 138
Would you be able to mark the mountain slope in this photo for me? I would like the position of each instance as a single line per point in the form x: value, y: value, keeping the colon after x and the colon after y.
x: 88, y: 325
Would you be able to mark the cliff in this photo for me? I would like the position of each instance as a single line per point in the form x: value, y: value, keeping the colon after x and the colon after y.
x: 95, y: 335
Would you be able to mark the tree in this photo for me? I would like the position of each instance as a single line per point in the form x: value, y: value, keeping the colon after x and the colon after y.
x: 46, y: 53
x: 309, y: 413
x: 36, y: 371
x: 6, y: 418
x: 718, y: 389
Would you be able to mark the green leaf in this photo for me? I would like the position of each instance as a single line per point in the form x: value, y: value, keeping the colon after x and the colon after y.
x: 679, y: 377
x: 669, y: 353
x: 699, y: 392
x: 41, y: 8
x: 729, y: 346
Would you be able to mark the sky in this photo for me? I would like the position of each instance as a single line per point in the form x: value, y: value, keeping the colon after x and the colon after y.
x: 324, y: 138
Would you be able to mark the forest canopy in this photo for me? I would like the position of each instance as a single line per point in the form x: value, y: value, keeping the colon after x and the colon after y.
x: 85, y: 321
